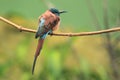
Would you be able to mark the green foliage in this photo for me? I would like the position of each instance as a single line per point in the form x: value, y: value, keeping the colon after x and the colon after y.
x: 22, y: 49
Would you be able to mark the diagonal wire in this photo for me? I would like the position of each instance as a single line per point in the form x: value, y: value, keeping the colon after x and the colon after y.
x: 48, y: 4
x: 93, y: 14
x: 108, y: 44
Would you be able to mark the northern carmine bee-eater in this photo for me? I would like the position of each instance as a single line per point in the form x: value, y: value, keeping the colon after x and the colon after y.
x: 48, y: 22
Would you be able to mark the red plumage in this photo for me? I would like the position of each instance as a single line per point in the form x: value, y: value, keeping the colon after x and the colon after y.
x: 38, y: 50
x: 49, y: 21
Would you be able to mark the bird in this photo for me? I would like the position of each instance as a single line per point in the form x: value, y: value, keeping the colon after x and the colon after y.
x: 47, y: 23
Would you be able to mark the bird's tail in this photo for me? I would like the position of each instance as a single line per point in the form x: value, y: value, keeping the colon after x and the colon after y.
x: 38, y: 50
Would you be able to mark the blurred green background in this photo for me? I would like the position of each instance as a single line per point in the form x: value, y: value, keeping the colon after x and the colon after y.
x: 62, y: 58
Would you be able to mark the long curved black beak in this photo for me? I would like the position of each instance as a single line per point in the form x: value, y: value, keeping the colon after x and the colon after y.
x: 62, y: 12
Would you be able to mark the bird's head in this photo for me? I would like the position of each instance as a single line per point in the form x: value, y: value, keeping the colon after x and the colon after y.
x: 56, y: 11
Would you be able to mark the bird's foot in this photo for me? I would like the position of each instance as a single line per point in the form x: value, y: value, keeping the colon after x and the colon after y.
x: 51, y: 32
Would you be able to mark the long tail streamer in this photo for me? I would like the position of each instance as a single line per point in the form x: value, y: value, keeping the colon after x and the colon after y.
x: 38, y: 50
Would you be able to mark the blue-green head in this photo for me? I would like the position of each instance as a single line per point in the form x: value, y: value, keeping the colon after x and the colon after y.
x: 56, y: 11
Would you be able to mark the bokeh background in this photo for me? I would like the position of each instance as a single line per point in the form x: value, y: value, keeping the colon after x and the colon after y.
x: 62, y: 58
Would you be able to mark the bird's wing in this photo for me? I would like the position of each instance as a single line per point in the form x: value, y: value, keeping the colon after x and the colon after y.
x: 40, y: 27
